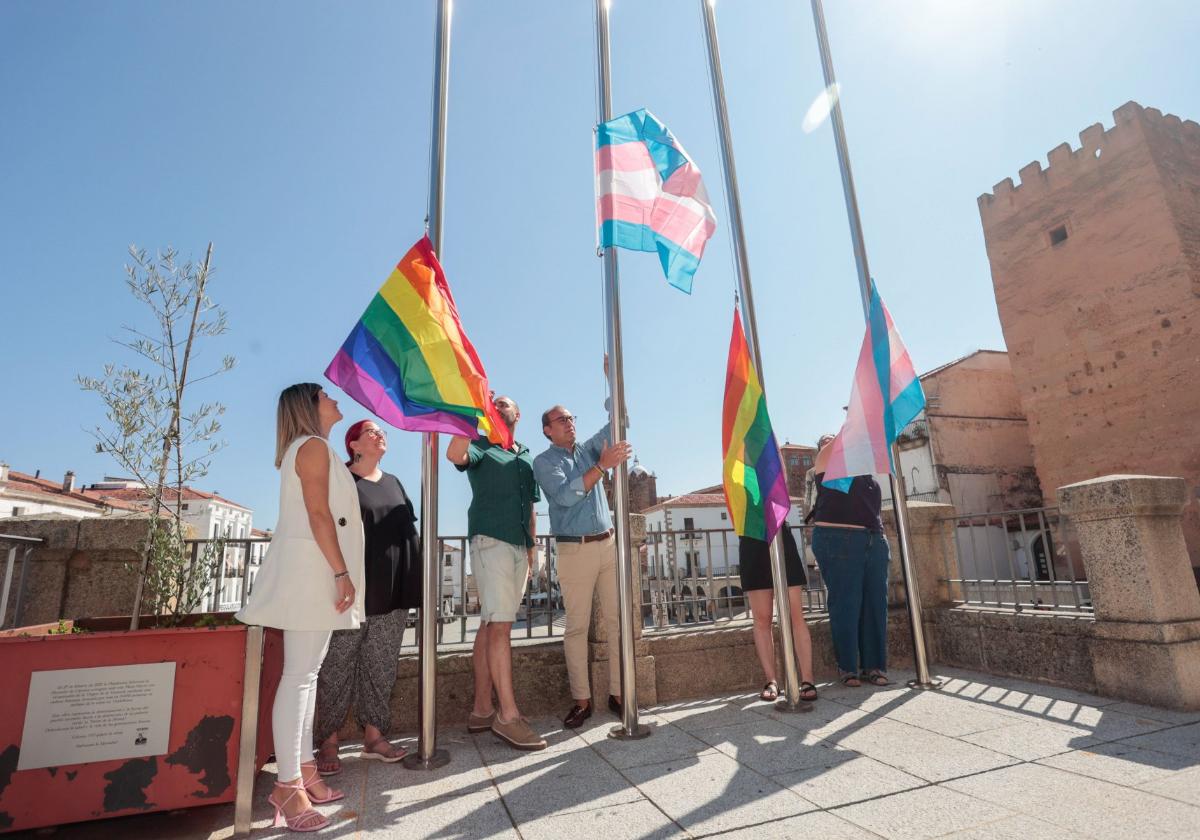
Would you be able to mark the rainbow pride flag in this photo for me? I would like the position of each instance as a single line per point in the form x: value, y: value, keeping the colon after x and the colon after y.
x: 649, y: 195
x: 885, y: 397
x: 409, y: 361
x: 755, y: 485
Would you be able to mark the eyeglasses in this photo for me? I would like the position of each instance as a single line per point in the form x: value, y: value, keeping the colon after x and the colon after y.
x: 375, y: 433
x: 563, y: 418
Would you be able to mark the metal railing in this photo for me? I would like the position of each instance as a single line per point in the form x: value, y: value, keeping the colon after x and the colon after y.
x: 692, y: 577
x: 15, y: 544
x: 688, y: 579
x: 540, y: 613
x: 1018, y: 560
x: 233, y: 573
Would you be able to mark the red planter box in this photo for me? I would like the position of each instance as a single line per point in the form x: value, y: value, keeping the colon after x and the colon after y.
x: 200, y: 765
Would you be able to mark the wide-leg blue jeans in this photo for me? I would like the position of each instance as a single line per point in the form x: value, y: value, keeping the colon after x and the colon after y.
x: 854, y: 565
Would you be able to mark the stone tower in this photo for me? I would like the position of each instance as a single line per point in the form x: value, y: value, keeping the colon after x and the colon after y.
x: 1096, y: 267
x: 643, y: 488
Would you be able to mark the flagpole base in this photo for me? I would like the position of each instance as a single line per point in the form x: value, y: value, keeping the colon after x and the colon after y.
x: 932, y: 685
x: 440, y: 758
x: 620, y: 733
x: 785, y: 705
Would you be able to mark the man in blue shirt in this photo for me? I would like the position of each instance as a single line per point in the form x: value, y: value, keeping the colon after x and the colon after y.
x: 571, y: 477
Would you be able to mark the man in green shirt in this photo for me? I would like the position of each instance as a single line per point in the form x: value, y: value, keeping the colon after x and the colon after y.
x: 501, y: 525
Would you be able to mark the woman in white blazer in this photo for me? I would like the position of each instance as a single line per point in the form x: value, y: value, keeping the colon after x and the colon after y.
x: 308, y: 588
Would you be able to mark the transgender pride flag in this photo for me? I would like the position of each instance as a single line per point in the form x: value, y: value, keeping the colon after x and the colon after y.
x: 649, y: 196
x: 885, y: 397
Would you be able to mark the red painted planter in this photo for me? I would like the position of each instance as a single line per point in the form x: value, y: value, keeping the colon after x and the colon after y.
x: 200, y: 765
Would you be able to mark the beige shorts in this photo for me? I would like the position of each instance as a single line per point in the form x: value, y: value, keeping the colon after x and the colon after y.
x: 501, y: 571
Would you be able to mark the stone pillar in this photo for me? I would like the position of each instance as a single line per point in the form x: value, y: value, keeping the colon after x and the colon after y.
x: 931, y: 541
x: 931, y: 533
x: 598, y: 647
x: 1146, y: 645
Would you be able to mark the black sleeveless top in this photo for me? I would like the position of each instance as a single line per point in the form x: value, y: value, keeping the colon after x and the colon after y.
x: 861, y: 506
x: 392, y: 552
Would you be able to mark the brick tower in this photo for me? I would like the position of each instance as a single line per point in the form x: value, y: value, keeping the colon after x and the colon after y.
x: 1096, y: 267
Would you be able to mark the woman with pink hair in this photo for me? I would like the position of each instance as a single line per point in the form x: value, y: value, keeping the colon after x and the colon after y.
x: 360, y: 668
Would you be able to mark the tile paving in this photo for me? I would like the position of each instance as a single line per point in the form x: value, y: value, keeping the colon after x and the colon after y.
x: 985, y: 757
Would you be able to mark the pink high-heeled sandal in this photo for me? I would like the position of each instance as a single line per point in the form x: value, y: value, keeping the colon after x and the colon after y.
x: 307, y: 820
x: 315, y: 778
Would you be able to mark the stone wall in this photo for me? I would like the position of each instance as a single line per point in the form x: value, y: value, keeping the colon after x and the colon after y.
x: 82, y: 568
x: 1103, y: 326
x: 1143, y: 641
x: 673, y: 665
x: 979, y: 435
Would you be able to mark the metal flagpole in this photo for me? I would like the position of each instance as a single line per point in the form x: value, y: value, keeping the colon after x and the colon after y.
x: 428, y: 756
x: 629, y: 728
x: 899, y: 499
x: 791, y: 701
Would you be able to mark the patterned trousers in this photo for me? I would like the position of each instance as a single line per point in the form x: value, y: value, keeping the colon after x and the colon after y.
x: 360, y: 671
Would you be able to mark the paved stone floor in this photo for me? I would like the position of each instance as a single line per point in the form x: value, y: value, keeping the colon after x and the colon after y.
x: 985, y: 757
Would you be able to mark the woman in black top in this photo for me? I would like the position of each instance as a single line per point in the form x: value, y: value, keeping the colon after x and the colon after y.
x: 853, y: 555
x: 360, y: 668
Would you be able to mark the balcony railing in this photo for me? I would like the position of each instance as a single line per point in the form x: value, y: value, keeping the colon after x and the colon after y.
x: 688, y: 579
x: 1018, y: 560
x: 234, y: 572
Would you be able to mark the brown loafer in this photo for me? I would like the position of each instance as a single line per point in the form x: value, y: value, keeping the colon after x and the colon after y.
x: 577, y: 716
x: 518, y: 734
x: 480, y: 723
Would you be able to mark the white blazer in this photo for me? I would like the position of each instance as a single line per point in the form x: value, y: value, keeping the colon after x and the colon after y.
x: 295, y: 589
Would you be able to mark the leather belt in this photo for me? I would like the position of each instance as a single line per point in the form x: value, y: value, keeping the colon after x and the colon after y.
x: 586, y: 538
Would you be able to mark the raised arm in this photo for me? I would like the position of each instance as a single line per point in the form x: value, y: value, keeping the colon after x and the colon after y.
x: 459, y: 451
x: 312, y: 468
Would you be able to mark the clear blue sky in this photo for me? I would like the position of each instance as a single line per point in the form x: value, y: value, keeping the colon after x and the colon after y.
x: 295, y: 136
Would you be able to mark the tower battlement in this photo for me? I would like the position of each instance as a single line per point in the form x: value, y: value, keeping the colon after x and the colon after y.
x: 1130, y: 121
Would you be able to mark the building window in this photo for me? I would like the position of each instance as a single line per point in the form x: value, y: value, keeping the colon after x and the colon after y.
x: 17, y: 511
x: 1058, y: 235
x: 807, y: 460
x: 793, y: 460
x: 724, y: 515
x: 448, y: 562
x: 184, y: 506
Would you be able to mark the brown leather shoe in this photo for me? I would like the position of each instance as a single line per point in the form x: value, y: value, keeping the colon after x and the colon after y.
x: 577, y: 716
x: 518, y: 734
x: 480, y: 723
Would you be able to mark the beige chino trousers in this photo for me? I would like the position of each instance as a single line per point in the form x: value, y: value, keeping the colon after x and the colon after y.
x: 582, y: 569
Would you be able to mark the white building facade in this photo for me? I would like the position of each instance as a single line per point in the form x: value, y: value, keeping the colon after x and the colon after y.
x: 211, y: 517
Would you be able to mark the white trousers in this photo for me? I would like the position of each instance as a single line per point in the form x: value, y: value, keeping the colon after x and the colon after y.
x: 296, y: 699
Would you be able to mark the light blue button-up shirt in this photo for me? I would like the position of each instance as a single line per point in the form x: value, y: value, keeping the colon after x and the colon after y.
x: 574, y: 512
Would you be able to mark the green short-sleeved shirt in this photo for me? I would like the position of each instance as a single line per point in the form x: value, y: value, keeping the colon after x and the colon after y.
x: 503, y: 491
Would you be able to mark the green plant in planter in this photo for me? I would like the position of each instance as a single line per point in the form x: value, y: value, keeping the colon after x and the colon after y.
x: 156, y: 433
x: 63, y: 630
